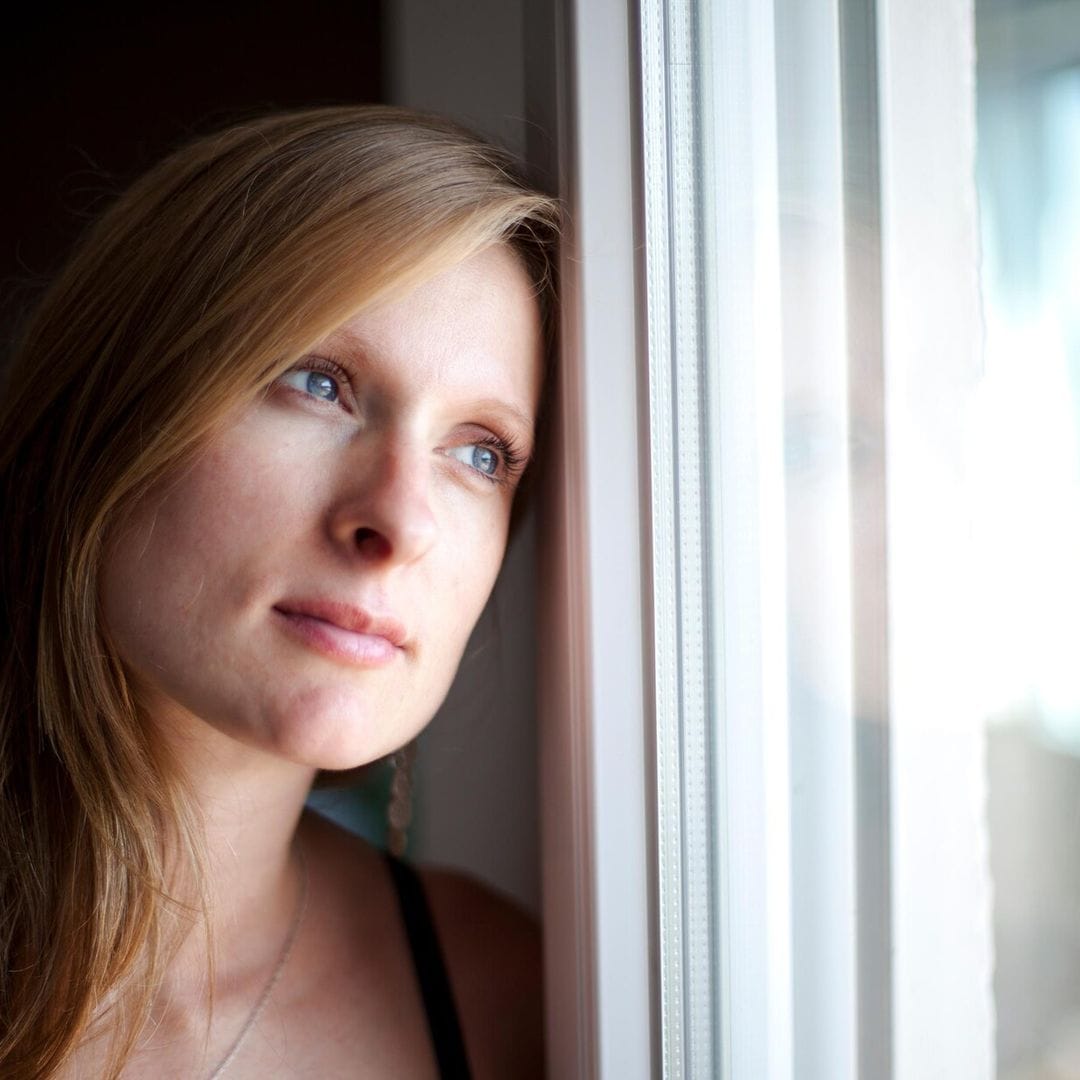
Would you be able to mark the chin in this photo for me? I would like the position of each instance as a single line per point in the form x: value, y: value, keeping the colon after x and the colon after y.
x: 323, y: 729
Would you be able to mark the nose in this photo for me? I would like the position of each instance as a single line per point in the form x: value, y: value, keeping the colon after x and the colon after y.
x: 383, y: 511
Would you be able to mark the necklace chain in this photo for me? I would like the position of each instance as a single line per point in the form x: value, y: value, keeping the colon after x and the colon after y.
x: 264, y: 997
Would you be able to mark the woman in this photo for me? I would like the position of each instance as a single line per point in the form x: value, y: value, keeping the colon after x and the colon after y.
x: 260, y: 444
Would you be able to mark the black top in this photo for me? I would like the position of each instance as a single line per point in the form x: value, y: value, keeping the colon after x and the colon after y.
x: 430, y: 972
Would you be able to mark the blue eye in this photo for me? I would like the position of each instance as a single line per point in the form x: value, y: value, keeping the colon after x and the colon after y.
x: 485, y: 460
x: 316, y: 383
x: 478, y: 456
x: 321, y: 385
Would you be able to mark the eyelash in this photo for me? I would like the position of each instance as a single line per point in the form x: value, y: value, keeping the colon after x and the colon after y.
x: 512, y: 459
x: 511, y: 456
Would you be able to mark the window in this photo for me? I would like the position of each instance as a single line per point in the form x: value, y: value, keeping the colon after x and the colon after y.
x: 806, y: 680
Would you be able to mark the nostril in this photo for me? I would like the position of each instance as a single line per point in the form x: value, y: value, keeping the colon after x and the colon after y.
x: 370, y: 541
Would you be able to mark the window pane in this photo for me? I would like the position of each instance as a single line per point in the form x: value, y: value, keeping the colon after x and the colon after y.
x: 1026, y: 497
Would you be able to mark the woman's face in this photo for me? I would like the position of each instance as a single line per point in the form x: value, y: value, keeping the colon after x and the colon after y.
x: 308, y: 585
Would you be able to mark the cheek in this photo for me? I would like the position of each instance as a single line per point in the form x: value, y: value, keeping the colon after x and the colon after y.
x: 153, y: 577
x: 177, y: 552
x: 469, y: 579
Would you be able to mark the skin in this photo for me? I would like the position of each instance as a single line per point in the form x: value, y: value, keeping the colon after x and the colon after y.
x: 378, y: 499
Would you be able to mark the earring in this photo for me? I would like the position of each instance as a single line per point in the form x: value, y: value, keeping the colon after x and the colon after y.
x: 399, y: 809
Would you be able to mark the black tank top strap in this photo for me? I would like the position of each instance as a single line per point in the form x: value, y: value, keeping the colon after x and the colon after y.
x: 427, y: 957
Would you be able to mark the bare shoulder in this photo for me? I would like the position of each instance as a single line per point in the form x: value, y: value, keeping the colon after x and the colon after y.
x: 492, y: 947
x: 493, y: 952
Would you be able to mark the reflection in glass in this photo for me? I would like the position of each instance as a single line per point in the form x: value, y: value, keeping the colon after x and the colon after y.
x: 1025, y: 487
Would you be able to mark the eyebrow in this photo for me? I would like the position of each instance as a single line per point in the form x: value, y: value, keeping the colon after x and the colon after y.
x: 508, y: 411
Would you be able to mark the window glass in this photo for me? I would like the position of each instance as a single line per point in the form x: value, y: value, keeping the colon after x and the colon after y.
x: 1026, y: 496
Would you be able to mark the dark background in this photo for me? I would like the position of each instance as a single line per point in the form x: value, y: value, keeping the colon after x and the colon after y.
x: 97, y: 94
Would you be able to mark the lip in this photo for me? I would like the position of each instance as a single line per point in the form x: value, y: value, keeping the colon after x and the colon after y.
x: 342, y: 631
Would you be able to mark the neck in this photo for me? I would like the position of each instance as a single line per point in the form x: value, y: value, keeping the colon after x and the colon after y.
x: 250, y: 803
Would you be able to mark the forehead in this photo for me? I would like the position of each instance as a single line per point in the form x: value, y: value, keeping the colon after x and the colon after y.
x: 473, y: 326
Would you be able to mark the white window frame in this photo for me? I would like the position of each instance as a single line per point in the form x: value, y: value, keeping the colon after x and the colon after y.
x: 623, y: 866
x: 595, y: 724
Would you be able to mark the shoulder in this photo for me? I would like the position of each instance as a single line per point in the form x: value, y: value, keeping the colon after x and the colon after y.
x: 492, y: 947
x: 493, y: 954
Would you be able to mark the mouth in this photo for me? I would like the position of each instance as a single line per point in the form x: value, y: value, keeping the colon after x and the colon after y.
x: 343, y: 632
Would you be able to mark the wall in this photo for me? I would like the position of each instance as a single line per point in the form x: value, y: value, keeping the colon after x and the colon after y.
x: 476, y: 779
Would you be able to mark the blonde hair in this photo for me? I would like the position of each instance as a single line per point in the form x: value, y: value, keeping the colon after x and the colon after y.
x: 210, y: 276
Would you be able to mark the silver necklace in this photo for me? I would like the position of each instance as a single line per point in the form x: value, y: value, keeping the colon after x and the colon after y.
x: 264, y: 997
